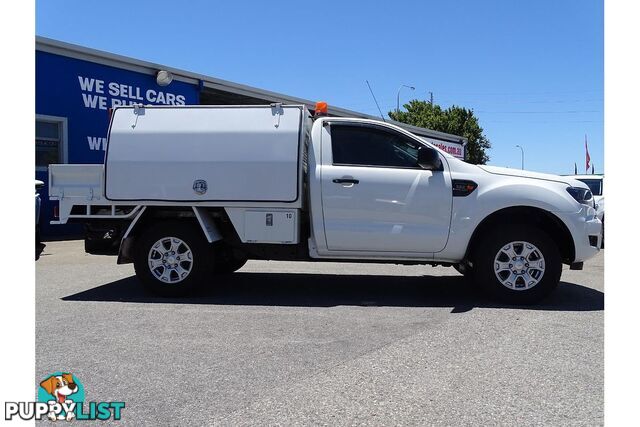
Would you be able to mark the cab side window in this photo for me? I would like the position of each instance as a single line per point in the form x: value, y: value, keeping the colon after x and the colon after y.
x: 372, y: 146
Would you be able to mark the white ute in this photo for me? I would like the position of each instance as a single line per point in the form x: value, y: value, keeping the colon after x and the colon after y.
x: 186, y: 193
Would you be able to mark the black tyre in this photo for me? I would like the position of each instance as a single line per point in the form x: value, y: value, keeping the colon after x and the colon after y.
x: 228, y: 260
x: 518, y: 264
x: 39, y: 245
x: 172, y: 258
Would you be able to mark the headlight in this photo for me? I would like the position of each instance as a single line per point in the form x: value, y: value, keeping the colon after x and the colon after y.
x: 582, y: 196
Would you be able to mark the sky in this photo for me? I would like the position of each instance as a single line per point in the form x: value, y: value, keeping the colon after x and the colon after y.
x: 531, y: 71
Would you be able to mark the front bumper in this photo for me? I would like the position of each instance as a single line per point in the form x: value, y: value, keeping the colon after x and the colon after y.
x: 586, y: 230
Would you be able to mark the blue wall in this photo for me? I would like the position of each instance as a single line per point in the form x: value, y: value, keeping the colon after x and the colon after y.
x: 82, y: 92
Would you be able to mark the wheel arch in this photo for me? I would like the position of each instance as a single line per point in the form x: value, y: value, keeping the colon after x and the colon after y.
x: 527, y: 215
x: 149, y: 214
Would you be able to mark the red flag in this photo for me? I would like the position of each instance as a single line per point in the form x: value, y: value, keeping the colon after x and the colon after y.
x: 588, y: 158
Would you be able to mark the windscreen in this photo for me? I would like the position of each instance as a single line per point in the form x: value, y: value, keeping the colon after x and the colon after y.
x: 595, y: 185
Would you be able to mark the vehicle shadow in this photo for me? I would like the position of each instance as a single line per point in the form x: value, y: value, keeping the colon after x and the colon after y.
x: 329, y: 290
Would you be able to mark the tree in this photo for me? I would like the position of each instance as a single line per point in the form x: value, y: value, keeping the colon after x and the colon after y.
x: 455, y: 120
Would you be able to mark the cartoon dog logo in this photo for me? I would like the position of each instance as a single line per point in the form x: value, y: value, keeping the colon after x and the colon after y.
x: 60, y: 387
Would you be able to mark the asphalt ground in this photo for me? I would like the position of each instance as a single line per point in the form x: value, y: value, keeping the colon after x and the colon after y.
x: 322, y: 343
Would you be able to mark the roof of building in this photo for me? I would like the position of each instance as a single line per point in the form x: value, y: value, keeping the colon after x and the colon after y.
x: 235, y: 92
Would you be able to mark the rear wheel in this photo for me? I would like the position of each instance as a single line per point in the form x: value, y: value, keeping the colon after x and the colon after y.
x: 172, y: 258
x: 228, y: 260
x: 517, y: 264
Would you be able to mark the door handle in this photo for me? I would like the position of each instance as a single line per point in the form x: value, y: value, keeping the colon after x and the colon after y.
x: 346, y: 181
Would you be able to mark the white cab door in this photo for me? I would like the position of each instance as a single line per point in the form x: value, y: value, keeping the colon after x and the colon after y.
x: 374, y: 196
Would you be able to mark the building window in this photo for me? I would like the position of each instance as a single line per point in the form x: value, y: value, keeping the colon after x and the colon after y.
x: 49, y: 142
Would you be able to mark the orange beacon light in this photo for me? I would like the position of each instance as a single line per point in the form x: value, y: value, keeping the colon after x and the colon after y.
x: 321, y: 108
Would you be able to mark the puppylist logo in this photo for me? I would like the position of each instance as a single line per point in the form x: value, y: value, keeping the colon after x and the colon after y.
x: 61, y: 397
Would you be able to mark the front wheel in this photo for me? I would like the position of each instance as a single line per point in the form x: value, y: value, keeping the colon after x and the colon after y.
x: 172, y: 258
x: 517, y: 264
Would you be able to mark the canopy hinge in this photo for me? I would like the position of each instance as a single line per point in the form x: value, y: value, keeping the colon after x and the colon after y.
x: 276, y: 112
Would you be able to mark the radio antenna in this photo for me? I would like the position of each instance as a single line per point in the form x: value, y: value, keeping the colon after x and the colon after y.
x: 376, y: 101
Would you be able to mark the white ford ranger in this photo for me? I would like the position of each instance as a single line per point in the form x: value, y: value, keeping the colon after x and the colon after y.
x: 198, y: 190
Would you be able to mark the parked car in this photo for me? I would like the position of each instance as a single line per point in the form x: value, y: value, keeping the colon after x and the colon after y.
x: 201, y: 189
x: 596, y: 185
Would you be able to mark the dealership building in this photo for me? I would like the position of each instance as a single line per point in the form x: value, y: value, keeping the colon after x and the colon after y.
x: 76, y: 86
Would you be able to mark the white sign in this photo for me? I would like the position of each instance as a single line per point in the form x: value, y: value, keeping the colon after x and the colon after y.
x: 454, y: 148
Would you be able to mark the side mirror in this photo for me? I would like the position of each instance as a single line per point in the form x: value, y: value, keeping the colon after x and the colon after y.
x: 429, y: 159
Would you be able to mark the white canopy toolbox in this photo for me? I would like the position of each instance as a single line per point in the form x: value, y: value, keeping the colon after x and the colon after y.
x: 205, y: 153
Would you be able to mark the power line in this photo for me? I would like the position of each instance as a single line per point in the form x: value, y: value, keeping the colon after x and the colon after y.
x: 461, y: 102
x: 538, y: 112
x: 555, y: 92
